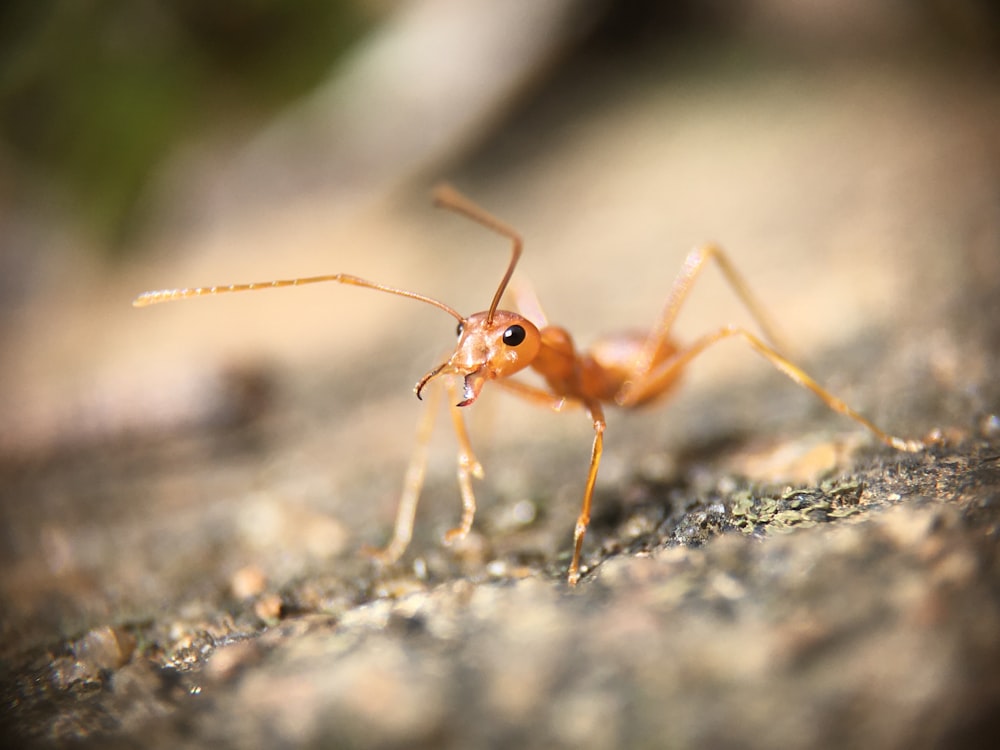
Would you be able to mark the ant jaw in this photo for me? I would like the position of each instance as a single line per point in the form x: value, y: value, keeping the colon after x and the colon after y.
x: 473, y: 386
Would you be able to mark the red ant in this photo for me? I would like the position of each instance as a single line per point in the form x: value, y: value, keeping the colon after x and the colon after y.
x: 624, y: 370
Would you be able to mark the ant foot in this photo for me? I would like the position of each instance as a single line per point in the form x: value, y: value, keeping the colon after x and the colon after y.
x: 455, y: 535
x: 383, y: 556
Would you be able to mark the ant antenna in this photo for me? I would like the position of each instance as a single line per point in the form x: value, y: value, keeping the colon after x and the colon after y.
x: 445, y: 196
x: 169, y: 295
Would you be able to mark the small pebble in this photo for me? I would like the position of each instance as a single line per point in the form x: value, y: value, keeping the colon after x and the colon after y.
x: 268, y: 608
x: 248, y: 582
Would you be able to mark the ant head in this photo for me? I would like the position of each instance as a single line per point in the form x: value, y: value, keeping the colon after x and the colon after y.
x: 489, y: 347
x: 491, y: 344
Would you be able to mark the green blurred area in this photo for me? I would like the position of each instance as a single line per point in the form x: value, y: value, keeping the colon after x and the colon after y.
x: 95, y: 94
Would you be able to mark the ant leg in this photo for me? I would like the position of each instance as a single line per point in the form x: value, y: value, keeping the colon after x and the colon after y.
x: 695, y: 261
x: 540, y: 396
x: 412, y: 484
x: 663, y: 376
x: 468, y: 467
x: 583, y: 520
x: 557, y: 403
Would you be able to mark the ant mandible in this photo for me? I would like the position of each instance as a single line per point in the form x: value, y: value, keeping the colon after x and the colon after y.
x: 624, y: 370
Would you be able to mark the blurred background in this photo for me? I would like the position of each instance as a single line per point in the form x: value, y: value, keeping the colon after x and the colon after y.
x: 845, y: 152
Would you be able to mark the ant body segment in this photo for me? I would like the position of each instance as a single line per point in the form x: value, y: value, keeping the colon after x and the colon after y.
x: 626, y: 371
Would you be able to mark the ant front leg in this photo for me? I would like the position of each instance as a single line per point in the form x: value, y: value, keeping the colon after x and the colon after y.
x: 468, y: 467
x: 413, y: 482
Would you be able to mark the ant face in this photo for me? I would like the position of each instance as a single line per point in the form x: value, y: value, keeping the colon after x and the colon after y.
x: 489, y: 348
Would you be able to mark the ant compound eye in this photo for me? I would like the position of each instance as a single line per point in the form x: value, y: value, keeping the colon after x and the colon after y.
x: 513, y: 335
x: 458, y: 331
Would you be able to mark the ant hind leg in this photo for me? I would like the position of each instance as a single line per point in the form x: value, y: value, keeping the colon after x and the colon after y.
x: 669, y: 369
x: 693, y: 265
